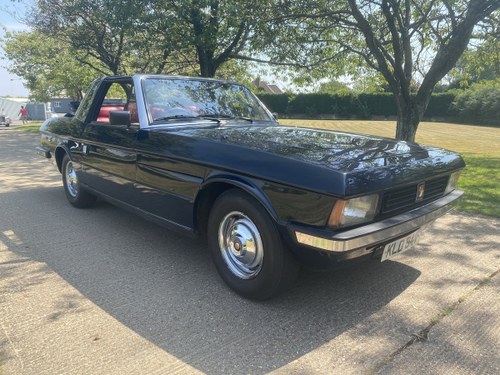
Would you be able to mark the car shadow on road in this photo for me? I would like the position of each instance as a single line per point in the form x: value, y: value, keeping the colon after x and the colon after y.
x: 164, y: 287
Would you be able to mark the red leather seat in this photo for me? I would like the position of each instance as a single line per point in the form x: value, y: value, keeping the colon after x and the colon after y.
x: 104, y: 112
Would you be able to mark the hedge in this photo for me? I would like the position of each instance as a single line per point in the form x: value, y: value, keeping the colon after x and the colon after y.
x: 441, y: 105
x: 351, y: 106
x: 479, y: 104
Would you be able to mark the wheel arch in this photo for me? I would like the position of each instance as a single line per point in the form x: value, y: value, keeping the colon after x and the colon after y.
x: 213, y: 187
x: 61, y: 150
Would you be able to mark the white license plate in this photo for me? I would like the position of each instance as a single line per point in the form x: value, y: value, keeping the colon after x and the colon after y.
x: 401, y: 245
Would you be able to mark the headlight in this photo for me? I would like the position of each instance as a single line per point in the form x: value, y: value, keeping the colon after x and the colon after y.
x: 353, y: 211
x: 452, y: 182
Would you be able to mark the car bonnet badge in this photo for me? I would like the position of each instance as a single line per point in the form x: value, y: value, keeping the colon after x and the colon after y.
x: 420, y: 192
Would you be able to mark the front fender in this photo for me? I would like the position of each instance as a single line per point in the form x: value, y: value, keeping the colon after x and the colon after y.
x: 250, y: 186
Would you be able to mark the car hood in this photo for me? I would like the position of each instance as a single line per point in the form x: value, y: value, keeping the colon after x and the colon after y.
x: 336, y: 162
x: 334, y: 150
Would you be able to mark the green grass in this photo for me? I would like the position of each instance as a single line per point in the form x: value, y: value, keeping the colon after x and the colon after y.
x: 31, y: 127
x: 480, y: 180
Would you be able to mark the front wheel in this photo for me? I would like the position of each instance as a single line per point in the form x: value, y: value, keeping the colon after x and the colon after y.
x: 76, y: 195
x: 247, y: 249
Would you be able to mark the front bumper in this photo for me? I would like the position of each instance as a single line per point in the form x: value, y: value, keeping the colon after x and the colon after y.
x: 372, y: 235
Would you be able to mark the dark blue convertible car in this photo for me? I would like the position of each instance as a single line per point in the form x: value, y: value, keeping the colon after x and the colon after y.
x: 206, y: 158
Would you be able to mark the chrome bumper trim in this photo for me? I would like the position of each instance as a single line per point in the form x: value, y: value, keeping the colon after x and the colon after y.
x: 382, y: 231
x: 43, y: 151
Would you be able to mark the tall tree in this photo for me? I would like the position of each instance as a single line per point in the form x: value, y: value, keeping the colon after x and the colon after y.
x: 217, y: 30
x: 482, y: 59
x: 159, y: 36
x: 123, y: 35
x: 48, y: 69
x: 413, y: 44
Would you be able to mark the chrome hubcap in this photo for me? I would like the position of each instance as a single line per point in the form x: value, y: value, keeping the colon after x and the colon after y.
x: 71, y: 179
x: 241, y: 245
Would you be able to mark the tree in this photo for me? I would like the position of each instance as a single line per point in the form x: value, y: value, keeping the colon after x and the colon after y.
x: 333, y: 87
x: 479, y: 103
x: 130, y: 36
x: 413, y: 44
x: 482, y: 60
x: 124, y: 36
x: 47, y: 68
x: 217, y: 31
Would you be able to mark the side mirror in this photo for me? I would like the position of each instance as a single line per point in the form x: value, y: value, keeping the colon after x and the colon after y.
x: 275, y: 115
x: 119, y: 118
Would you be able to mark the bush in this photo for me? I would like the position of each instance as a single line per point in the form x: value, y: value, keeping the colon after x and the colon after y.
x: 379, y: 104
x: 440, y: 105
x: 479, y: 104
x: 313, y: 104
x: 276, y: 102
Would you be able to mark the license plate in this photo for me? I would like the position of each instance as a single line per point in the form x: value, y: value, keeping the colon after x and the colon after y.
x: 401, y: 245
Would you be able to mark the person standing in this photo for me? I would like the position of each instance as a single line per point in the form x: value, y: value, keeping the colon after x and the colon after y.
x: 24, y: 114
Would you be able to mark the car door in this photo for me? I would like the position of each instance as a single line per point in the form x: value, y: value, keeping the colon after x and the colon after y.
x: 108, y: 149
x: 166, y: 184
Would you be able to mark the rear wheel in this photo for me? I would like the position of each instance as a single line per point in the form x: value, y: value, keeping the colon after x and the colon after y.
x: 76, y: 195
x: 247, y: 249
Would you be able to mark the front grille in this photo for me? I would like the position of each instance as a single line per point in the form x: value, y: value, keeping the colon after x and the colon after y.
x: 405, y: 198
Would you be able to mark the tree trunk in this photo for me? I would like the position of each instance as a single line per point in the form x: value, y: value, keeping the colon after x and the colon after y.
x: 207, y: 69
x: 409, y: 116
x: 206, y: 62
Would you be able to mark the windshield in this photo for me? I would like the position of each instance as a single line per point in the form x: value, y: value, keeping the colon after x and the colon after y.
x: 170, y: 99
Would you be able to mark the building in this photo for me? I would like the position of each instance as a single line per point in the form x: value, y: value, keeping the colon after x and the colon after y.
x: 36, y: 111
x: 10, y: 106
x: 60, y: 106
x: 265, y: 86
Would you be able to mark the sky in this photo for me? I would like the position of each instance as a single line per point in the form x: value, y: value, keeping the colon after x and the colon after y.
x: 10, y: 14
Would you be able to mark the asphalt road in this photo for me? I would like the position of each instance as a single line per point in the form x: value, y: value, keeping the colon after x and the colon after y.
x: 100, y: 291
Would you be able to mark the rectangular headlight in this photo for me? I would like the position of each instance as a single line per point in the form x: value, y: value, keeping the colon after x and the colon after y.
x: 353, y: 211
x: 452, y: 182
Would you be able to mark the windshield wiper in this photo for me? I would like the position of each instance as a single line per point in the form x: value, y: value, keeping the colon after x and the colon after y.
x: 242, y: 118
x: 177, y: 117
x: 211, y: 116
x: 228, y: 117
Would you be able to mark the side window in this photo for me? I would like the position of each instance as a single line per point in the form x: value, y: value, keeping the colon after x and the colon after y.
x: 116, y: 99
x: 86, y: 104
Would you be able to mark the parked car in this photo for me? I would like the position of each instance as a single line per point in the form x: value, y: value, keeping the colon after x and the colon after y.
x: 206, y: 158
x: 5, y: 120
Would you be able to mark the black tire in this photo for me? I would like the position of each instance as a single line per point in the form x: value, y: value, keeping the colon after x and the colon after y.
x: 75, y: 194
x: 258, y: 268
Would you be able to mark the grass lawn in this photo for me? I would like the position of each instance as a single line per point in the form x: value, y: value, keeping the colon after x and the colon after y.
x: 31, y: 127
x: 479, y: 146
